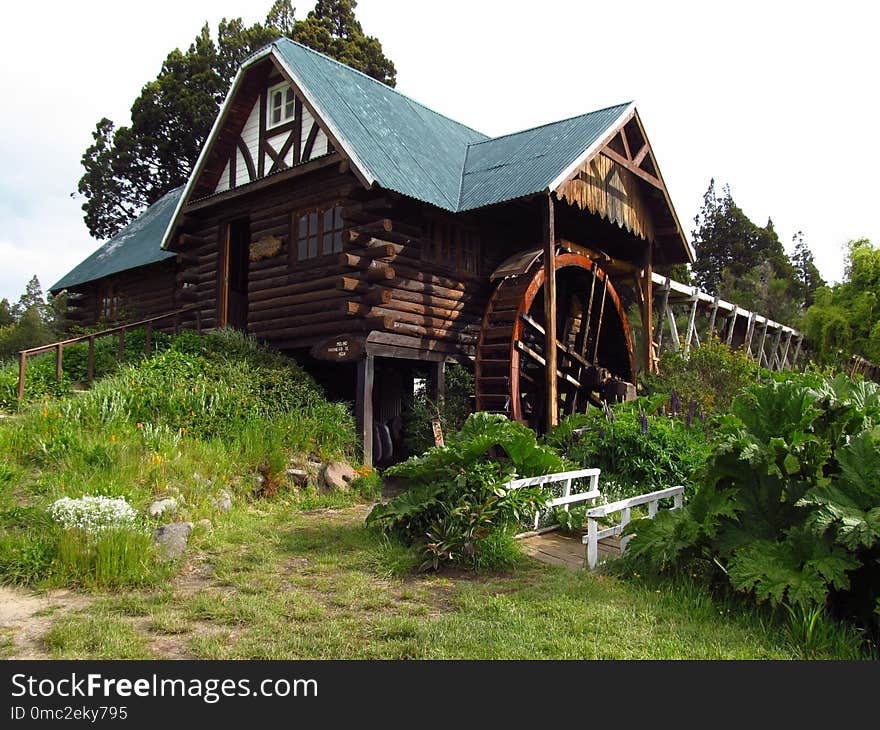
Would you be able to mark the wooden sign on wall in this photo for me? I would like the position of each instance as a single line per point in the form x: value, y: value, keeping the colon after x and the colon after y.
x: 339, y: 349
x: 265, y: 247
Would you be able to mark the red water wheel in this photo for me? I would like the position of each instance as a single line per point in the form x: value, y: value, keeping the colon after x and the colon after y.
x: 595, y: 360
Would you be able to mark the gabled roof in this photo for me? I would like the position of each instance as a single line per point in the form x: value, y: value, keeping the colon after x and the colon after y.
x: 138, y: 244
x: 395, y: 141
x: 528, y: 162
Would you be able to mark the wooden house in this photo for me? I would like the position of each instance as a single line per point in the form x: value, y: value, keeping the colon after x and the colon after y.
x: 375, y: 239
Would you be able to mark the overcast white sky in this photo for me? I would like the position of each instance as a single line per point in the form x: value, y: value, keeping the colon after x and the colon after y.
x: 778, y: 99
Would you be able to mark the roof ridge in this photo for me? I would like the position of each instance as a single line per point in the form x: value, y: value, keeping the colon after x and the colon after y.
x: 376, y: 81
x: 549, y: 124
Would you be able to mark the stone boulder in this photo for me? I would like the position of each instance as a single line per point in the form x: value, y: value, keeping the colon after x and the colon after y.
x: 162, y: 506
x: 338, y: 475
x: 170, y: 540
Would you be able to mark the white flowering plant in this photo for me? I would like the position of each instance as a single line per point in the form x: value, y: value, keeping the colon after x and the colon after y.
x: 94, y: 515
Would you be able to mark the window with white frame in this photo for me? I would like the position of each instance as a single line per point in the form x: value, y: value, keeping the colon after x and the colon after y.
x: 281, y: 103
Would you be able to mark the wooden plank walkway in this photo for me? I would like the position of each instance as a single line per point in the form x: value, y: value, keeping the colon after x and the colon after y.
x: 560, y: 548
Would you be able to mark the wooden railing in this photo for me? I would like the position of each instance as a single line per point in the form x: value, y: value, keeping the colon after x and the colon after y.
x: 119, y: 331
x: 594, y: 534
x: 567, y: 497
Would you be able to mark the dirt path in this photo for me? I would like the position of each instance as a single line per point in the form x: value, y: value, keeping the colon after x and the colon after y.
x: 25, y: 616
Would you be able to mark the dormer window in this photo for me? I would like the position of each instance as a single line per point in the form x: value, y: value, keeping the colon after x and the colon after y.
x: 281, y: 105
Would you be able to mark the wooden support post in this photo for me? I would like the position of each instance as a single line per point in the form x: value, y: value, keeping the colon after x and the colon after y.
x: 592, y: 542
x: 692, y: 321
x: 22, y: 367
x: 774, y: 358
x: 438, y: 381
x: 625, y: 517
x: 733, y: 316
x: 784, y: 362
x: 673, y: 328
x: 90, y: 367
x: 364, y: 405
x: 797, y: 351
x: 58, y: 350
x: 750, y: 332
x: 762, y: 356
x: 664, y: 305
x: 712, y: 318
x: 550, y: 312
x: 648, y: 311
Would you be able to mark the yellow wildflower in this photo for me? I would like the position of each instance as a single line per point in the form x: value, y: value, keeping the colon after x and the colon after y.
x: 113, y: 437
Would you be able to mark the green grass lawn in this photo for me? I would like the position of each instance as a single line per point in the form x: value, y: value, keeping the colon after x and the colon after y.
x: 276, y: 583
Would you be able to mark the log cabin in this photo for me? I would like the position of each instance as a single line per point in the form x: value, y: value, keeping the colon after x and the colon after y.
x: 375, y: 240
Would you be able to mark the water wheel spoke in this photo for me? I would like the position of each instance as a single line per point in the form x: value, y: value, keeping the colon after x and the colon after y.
x: 598, y: 332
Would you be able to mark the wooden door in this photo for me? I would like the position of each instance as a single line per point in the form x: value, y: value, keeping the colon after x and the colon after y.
x: 234, y: 265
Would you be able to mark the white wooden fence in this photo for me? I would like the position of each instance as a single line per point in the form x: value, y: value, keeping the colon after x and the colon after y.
x: 624, y: 507
x: 567, y: 497
x: 594, y: 514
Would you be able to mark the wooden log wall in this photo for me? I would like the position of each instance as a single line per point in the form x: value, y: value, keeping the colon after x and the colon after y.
x: 141, y: 293
x: 379, y: 281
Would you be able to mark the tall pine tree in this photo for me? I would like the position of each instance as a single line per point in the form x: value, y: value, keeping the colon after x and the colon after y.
x: 130, y: 167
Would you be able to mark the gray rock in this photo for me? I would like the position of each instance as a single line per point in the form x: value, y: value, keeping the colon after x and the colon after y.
x: 170, y: 540
x: 223, y: 501
x: 162, y: 506
x: 338, y: 475
x: 204, y: 524
x: 299, y: 477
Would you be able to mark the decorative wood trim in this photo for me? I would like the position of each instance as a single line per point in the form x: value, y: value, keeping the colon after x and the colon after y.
x: 285, y: 148
x: 277, y: 161
x: 292, y: 172
x: 261, y: 141
x: 625, y: 142
x: 297, y: 130
x: 281, y: 128
x: 310, y: 141
x: 637, y: 171
x: 640, y: 155
x: 233, y: 161
x: 248, y: 160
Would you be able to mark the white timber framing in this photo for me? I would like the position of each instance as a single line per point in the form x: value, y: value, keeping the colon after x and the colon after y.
x: 787, y: 343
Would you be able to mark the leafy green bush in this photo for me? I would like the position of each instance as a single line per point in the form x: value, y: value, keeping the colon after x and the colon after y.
x: 789, y: 511
x: 456, y: 508
x: 638, y: 449
x: 711, y: 375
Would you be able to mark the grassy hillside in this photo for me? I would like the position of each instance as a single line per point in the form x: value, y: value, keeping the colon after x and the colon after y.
x: 206, y: 414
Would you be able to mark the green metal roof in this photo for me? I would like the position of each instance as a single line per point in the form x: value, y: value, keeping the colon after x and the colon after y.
x: 399, y: 143
x: 406, y: 147
x: 525, y: 163
x: 138, y: 244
